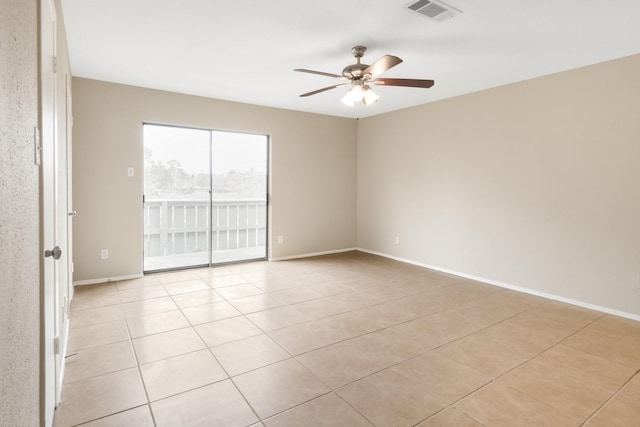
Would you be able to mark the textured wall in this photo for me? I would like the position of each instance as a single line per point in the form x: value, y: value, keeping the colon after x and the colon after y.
x: 533, y: 184
x: 19, y: 240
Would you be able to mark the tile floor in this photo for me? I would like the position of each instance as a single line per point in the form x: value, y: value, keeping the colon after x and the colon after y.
x: 349, y: 339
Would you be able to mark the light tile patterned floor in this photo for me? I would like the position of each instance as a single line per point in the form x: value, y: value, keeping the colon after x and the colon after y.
x: 349, y: 339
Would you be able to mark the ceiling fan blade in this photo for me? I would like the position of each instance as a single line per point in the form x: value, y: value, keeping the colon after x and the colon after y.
x: 302, y: 70
x: 322, y: 90
x: 404, y: 82
x: 382, y: 65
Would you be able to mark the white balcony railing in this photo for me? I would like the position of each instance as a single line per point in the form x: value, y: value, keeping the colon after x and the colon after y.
x: 174, y: 227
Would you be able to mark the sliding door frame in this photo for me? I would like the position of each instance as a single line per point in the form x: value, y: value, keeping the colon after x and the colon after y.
x: 211, y: 263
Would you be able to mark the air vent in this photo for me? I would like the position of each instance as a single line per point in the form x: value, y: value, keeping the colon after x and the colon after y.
x: 434, y: 10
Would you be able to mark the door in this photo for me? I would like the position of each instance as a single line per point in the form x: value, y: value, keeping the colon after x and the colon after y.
x: 239, y: 208
x: 52, y: 254
x: 205, y: 197
x: 176, y: 197
x: 71, y: 213
x: 62, y: 267
x: 55, y: 134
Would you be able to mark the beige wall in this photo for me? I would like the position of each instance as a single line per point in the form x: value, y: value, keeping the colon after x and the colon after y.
x: 312, y: 174
x: 534, y: 184
x: 19, y: 216
x: 531, y: 185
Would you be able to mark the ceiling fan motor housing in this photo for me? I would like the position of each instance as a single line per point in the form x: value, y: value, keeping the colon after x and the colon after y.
x: 355, y: 71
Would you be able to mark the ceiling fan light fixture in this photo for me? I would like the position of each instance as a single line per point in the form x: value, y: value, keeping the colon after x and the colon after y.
x: 346, y: 100
x: 360, y: 92
x: 370, y: 97
x: 355, y: 94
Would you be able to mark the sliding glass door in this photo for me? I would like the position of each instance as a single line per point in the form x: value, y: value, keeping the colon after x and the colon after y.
x: 205, y: 196
x: 239, y: 189
x: 176, y: 197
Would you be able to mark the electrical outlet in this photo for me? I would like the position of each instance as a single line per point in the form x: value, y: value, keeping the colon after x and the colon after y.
x: 130, y: 171
x: 104, y: 253
x: 397, y: 240
x: 280, y: 240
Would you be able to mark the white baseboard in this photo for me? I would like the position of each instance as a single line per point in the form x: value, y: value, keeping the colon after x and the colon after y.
x: 106, y: 280
x: 337, y: 251
x: 511, y: 287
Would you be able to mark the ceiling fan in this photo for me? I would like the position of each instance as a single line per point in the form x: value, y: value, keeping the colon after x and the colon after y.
x: 359, y: 76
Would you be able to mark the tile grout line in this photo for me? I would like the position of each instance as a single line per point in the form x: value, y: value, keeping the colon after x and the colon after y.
x: 485, y: 384
x: 137, y: 360
x: 129, y: 341
x: 353, y: 407
x: 494, y: 380
x: 611, y: 398
x: 229, y: 378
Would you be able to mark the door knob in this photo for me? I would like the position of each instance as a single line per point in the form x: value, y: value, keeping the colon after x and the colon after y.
x: 56, y: 253
x: 73, y: 213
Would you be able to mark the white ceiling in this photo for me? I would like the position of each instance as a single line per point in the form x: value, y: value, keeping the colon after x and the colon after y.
x: 246, y: 51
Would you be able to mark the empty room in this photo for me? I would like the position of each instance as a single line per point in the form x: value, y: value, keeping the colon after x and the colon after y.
x: 346, y: 213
